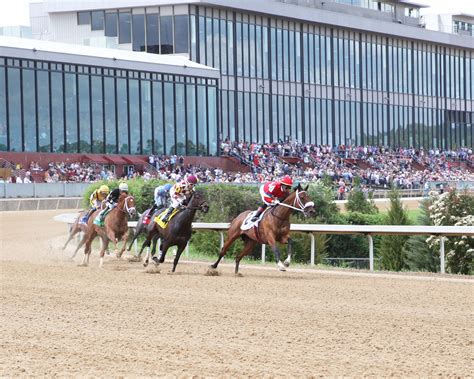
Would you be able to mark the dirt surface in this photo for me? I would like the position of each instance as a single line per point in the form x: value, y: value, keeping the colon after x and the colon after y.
x: 61, y: 319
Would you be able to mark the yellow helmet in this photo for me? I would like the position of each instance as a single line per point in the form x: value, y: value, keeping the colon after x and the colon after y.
x: 104, y: 189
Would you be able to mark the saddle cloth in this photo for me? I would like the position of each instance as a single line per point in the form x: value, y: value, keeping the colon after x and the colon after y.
x: 159, y: 221
x: 247, y: 224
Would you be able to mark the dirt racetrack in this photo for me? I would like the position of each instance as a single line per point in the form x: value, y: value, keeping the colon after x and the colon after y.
x: 61, y: 319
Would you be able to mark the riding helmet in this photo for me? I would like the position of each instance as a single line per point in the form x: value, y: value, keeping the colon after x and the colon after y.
x: 286, y: 181
x: 123, y: 187
x: 104, y: 189
x: 191, y: 179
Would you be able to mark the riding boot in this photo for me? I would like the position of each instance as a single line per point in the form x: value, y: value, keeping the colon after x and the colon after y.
x: 260, y: 209
x: 151, y: 211
x: 168, y: 214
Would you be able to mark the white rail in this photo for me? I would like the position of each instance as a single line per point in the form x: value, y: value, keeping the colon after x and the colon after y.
x: 368, y: 230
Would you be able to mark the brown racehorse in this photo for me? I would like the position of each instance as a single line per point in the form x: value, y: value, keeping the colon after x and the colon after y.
x: 77, y: 227
x: 115, y: 228
x: 274, y: 227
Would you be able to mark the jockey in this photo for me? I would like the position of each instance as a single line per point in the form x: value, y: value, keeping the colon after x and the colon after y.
x: 161, y: 196
x: 272, y: 193
x: 111, y: 202
x: 96, y: 198
x: 180, y: 194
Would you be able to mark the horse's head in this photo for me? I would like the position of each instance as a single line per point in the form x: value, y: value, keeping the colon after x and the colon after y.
x: 303, y: 202
x: 199, y: 202
x: 128, y: 204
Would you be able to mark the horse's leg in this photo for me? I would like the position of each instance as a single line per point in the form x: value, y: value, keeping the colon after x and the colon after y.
x: 72, y: 233
x: 232, y: 235
x: 178, y: 254
x: 146, y: 243
x: 276, y: 251
x: 136, y: 233
x: 83, y: 241
x: 164, y: 246
x: 290, y: 252
x: 104, y: 246
x: 249, y: 245
x: 124, y: 239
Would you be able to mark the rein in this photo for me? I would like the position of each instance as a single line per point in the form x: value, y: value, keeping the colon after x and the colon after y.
x: 297, y: 201
x: 125, y: 208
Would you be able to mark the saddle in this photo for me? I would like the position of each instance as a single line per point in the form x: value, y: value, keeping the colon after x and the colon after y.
x: 248, y: 223
x: 160, y: 222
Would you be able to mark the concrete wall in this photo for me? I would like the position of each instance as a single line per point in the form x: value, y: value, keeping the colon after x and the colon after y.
x: 42, y: 190
x: 40, y: 204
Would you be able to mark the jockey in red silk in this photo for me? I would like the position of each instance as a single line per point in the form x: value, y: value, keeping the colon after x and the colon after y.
x: 180, y: 194
x: 272, y: 193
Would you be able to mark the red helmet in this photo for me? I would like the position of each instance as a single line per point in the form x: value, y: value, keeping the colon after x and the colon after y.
x: 192, y: 179
x: 286, y: 181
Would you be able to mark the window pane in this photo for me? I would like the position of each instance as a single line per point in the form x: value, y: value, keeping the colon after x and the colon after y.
x: 3, y: 111
x: 152, y: 33
x: 97, y: 22
x: 125, y: 27
x: 71, y: 112
x: 29, y: 106
x: 212, y: 106
x: 158, y: 117
x: 138, y: 32
x: 84, y: 114
x: 83, y: 18
x: 122, y: 118
x: 110, y: 122
x: 146, y: 116
x: 14, y: 109
x: 166, y: 33
x: 193, y: 38
x: 202, y: 120
x: 57, y: 113
x: 181, y: 34
x: 111, y: 24
x: 44, y: 123
x: 169, y: 119
x: 134, y: 110
x: 191, y: 115
x: 97, y: 120
x: 180, y: 120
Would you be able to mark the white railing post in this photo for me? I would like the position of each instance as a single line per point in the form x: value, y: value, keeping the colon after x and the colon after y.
x: 371, y: 252
x: 263, y: 253
x: 135, y: 246
x: 441, y: 255
x: 222, y: 239
x: 311, y: 235
x: 187, y: 250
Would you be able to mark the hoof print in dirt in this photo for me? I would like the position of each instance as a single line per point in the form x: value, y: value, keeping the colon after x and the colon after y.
x: 212, y: 272
x: 152, y: 270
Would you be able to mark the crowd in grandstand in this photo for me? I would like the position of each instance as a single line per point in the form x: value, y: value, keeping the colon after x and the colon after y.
x: 379, y: 167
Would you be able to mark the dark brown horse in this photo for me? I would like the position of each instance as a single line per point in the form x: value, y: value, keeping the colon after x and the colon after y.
x: 178, y: 231
x: 115, y: 228
x: 274, y: 227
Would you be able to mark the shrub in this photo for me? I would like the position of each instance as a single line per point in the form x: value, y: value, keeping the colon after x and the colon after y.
x: 356, y: 202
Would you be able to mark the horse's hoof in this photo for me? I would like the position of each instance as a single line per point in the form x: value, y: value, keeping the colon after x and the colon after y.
x: 281, y: 266
x: 82, y: 265
x: 156, y: 261
x: 145, y: 263
x: 286, y: 263
x: 238, y: 275
x: 211, y: 271
x: 153, y: 270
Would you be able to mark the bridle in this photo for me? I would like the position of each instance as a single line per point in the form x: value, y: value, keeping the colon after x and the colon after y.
x: 126, y: 208
x: 298, y: 204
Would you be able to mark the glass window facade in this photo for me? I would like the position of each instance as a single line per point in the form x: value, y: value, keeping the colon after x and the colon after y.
x: 64, y: 108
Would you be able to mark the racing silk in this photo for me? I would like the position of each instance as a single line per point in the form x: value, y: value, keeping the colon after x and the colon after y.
x: 271, y: 191
x: 180, y: 192
x: 96, y: 198
x: 113, y: 196
x: 161, y: 196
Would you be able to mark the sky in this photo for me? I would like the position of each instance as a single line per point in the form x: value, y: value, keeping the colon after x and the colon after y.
x: 16, y: 12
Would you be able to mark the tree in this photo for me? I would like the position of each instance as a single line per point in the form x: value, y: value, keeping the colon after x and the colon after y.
x: 392, y: 246
x: 454, y: 208
x: 419, y: 255
x: 357, y: 202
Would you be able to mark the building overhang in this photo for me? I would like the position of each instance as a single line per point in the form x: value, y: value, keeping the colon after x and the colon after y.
x: 110, y: 58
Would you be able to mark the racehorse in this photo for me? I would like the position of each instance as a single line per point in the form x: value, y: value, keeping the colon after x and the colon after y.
x: 274, y: 227
x: 177, y: 232
x: 77, y: 227
x: 144, y: 228
x: 115, y: 228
